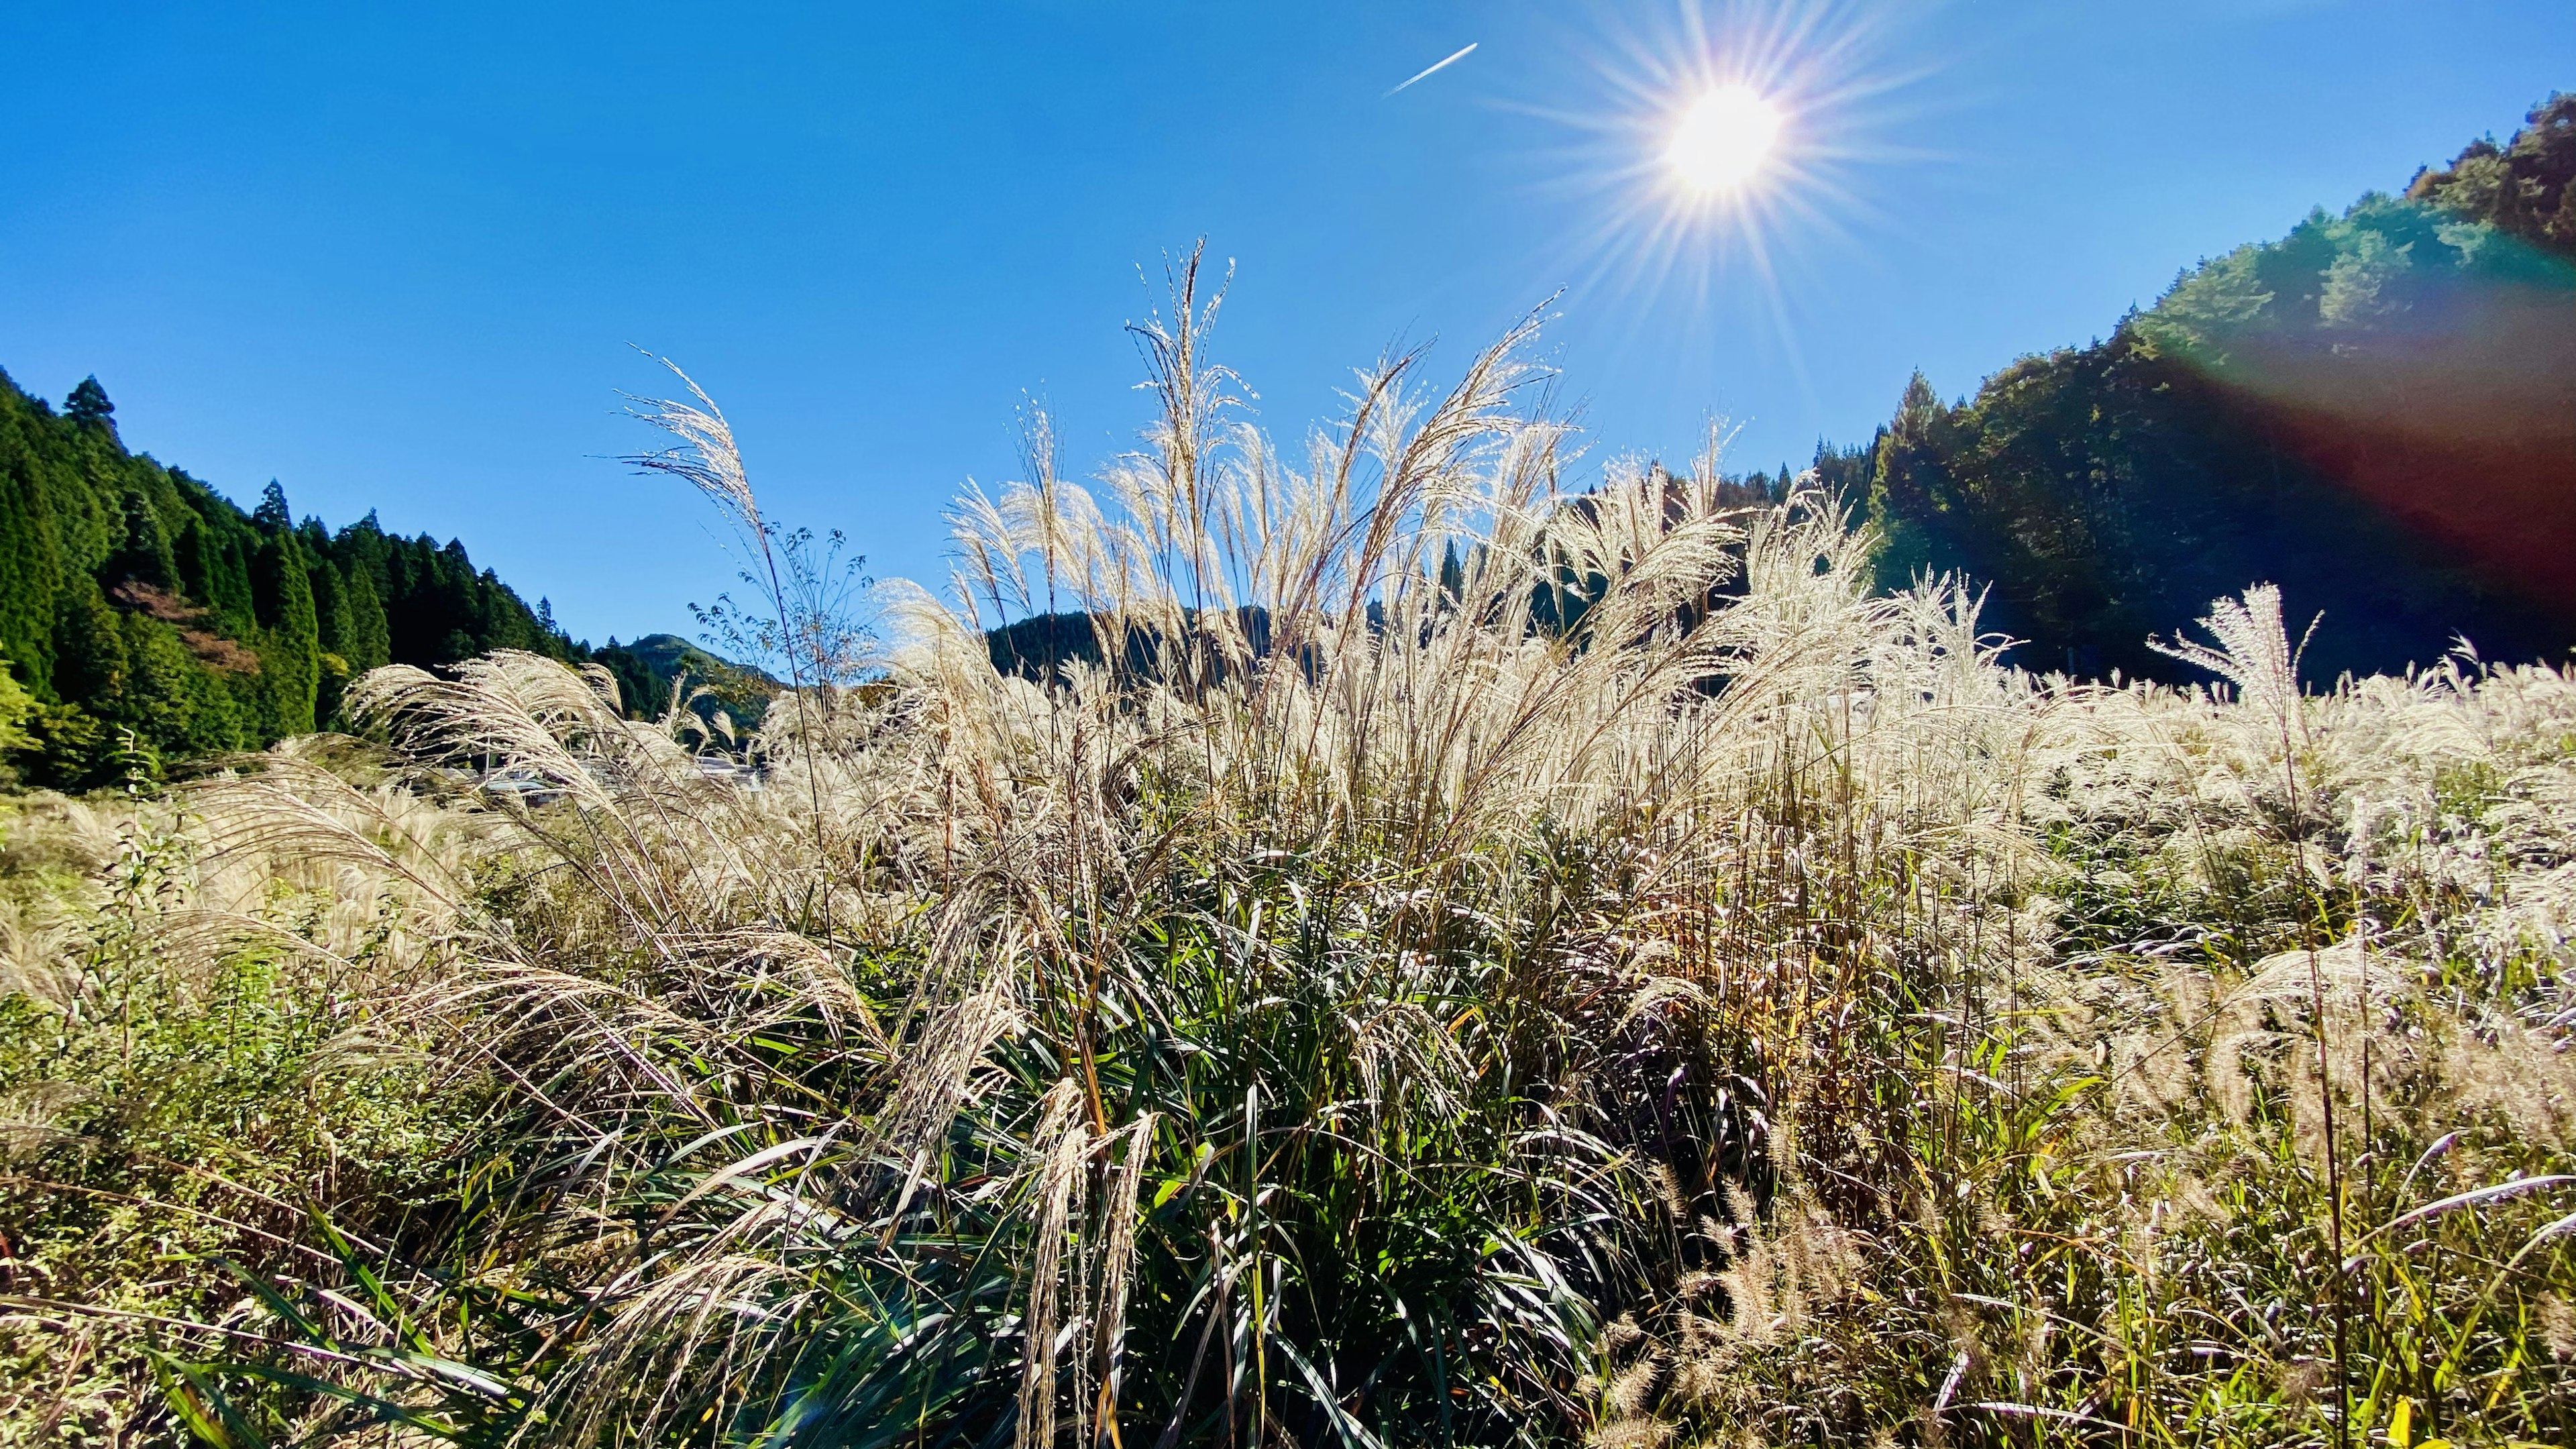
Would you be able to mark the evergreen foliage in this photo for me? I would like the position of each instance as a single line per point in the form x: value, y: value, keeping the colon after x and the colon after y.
x: 2525, y: 188
x: 17, y: 707
x: 145, y: 618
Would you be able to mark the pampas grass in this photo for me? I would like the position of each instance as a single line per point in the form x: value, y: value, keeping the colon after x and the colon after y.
x: 1459, y: 959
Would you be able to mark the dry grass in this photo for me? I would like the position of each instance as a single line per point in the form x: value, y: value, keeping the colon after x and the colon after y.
x: 1643, y: 989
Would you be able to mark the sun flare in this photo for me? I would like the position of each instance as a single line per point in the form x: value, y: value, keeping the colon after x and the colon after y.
x: 1724, y: 140
x: 1724, y: 149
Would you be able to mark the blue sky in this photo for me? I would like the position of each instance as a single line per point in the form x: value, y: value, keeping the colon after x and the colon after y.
x: 396, y: 257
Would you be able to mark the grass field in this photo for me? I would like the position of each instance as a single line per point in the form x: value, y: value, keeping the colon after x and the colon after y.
x: 1634, y: 986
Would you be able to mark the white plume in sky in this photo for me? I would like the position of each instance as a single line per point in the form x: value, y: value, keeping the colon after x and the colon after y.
x: 1436, y: 66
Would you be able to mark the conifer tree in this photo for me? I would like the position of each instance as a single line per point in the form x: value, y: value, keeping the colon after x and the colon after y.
x: 88, y: 404
x: 160, y: 700
x: 283, y: 592
x: 332, y: 609
x: 272, y: 514
x: 233, y: 596
x: 368, y: 644
x: 145, y: 554
x: 29, y: 568
x: 196, y: 565
x: 1910, y: 492
x: 335, y: 618
x: 90, y: 664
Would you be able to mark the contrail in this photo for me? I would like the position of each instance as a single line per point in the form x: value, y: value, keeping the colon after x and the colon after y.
x: 1436, y: 66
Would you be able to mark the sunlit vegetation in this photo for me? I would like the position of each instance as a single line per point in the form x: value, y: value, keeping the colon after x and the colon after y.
x: 1454, y: 962
x: 2377, y: 412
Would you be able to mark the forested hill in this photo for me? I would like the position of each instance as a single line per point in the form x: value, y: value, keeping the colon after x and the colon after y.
x: 144, y: 617
x: 2377, y: 412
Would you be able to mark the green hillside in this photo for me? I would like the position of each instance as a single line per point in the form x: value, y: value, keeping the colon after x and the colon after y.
x: 2376, y: 412
x: 146, y: 618
x: 646, y: 669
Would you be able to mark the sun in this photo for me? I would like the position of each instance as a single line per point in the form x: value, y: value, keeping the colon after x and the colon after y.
x: 1721, y: 154
x: 1724, y: 140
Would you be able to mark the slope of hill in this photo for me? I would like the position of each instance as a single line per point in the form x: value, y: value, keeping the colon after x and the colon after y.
x: 646, y: 668
x: 2377, y: 412
x: 149, y: 618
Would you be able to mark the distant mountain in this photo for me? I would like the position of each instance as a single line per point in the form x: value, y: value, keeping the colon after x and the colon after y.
x: 646, y: 668
x: 152, y: 619
x: 2377, y: 412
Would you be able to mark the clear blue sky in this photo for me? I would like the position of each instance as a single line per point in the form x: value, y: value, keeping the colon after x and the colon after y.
x: 395, y: 256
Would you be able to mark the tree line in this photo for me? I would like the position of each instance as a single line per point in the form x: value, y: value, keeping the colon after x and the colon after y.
x: 2376, y: 412
x: 145, y: 618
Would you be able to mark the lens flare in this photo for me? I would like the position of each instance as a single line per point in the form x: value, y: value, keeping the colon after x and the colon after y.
x: 1724, y: 140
